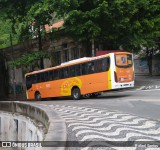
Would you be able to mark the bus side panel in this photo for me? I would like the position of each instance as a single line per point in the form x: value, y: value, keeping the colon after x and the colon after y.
x: 51, y: 89
x: 94, y: 83
x: 61, y: 87
x: 55, y: 88
x: 46, y: 89
x: 68, y: 84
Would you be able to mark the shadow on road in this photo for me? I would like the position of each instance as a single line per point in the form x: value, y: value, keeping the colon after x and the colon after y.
x: 103, y: 97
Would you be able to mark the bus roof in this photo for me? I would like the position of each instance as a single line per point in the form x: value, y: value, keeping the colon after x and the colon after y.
x: 76, y: 60
x: 73, y: 62
x: 99, y: 53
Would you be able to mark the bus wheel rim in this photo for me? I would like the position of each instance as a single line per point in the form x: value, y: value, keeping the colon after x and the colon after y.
x: 76, y: 93
x: 38, y: 96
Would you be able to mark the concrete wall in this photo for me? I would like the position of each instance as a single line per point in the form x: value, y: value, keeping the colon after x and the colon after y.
x: 15, y: 127
x: 156, y: 67
x: 31, y: 122
x: 141, y: 67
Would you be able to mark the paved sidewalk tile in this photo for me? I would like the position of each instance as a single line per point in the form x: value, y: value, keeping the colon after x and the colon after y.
x: 147, y: 82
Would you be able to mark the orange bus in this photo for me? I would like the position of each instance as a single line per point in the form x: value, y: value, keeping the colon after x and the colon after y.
x: 84, y: 76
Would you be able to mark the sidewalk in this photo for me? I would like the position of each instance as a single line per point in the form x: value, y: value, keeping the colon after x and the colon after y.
x: 147, y: 82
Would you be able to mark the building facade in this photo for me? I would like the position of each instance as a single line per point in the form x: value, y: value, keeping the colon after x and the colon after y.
x: 62, y: 49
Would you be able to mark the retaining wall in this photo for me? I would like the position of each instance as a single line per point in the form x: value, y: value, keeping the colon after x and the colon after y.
x: 31, y: 122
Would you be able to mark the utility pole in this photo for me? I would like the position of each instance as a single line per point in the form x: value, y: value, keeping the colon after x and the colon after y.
x: 13, y: 70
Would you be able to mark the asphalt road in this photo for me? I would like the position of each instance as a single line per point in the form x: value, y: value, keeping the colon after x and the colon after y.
x: 144, y: 103
x: 132, y: 115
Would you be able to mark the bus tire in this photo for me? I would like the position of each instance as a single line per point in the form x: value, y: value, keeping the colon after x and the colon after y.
x: 38, y: 96
x: 76, y: 94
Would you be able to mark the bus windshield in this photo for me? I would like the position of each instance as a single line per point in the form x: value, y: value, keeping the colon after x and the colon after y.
x: 123, y: 60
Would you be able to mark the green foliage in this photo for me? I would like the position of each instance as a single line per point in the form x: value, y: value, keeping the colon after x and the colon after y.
x: 40, y: 13
x: 126, y: 23
x: 22, y: 14
x: 28, y: 59
x: 5, y: 30
x: 118, y: 23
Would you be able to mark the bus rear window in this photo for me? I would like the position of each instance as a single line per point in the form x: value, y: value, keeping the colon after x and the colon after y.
x: 123, y: 60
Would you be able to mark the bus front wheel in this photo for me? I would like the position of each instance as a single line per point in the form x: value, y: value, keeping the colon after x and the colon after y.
x: 38, y: 96
x: 76, y: 94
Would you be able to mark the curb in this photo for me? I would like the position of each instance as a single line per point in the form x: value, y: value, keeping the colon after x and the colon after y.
x: 56, y: 129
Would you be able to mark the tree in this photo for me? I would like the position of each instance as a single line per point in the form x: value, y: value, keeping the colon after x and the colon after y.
x: 40, y: 14
x: 116, y: 23
x: 5, y: 31
x: 27, y: 13
x: 29, y: 59
x: 3, y: 77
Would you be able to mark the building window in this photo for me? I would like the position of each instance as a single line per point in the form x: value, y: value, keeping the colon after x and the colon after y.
x: 64, y: 45
x: 57, y: 58
x: 65, y: 56
x: 74, y: 53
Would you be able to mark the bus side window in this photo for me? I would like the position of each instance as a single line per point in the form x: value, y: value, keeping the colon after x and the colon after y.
x: 28, y: 82
x: 77, y: 70
x: 65, y: 72
x: 98, y: 65
x: 60, y: 73
x: 34, y: 78
x: 50, y: 75
x: 46, y: 76
x: 105, y: 64
x: 84, y: 68
x: 42, y: 77
x: 108, y: 63
x: 91, y: 67
x: 38, y: 77
x: 72, y: 71
x: 56, y: 74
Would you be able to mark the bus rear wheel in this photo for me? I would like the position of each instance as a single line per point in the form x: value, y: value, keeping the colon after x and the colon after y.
x: 38, y: 96
x: 76, y: 94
